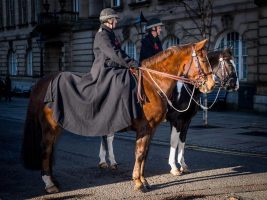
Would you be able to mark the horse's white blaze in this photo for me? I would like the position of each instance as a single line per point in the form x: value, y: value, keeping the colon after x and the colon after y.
x: 174, y: 143
x: 48, y: 181
x: 237, y: 81
x: 103, y: 151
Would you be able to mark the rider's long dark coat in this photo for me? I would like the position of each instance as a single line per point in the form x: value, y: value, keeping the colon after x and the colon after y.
x: 150, y: 47
x: 102, y: 101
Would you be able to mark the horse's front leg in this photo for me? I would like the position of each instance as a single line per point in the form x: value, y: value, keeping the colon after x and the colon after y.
x: 174, y: 143
x: 181, y: 146
x: 140, y: 152
x: 142, y: 172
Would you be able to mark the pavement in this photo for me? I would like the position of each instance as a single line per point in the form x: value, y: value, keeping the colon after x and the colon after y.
x: 228, y: 132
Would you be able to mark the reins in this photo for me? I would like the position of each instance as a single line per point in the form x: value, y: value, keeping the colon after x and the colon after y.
x: 177, y: 78
x: 196, y: 84
x: 199, y: 103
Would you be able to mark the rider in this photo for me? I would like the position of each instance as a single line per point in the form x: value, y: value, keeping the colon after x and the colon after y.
x: 150, y: 46
x: 104, y: 100
x: 116, y: 64
x: 151, y: 43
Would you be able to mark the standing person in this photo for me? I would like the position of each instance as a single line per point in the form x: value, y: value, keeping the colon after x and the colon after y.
x: 8, y: 88
x: 151, y: 43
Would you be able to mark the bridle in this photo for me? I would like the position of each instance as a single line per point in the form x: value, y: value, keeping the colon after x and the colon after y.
x: 202, y: 77
x: 225, y: 79
x: 199, y: 81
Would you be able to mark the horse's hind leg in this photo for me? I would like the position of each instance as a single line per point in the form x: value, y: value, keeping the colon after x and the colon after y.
x: 102, y: 153
x: 111, y: 156
x: 106, y: 146
x: 50, y: 132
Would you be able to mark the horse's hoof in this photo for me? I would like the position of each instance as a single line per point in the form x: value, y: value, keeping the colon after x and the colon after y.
x: 114, y: 166
x: 141, y: 189
x: 146, y: 185
x: 184, y: 170
x: 51, y: 190
x: 175, y: 172
x: 138, y: 186
x: 103, y: 165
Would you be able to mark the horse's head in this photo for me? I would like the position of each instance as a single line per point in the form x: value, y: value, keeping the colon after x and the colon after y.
x: 224, y: 69
x: 197, y: 67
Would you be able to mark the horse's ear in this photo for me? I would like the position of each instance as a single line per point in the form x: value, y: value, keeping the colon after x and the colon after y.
x: 228, y: 50
x: 200, y: 45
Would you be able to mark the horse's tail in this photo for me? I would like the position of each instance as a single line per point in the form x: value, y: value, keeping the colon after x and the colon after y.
x: 31, y: 146
x: 31, y: 151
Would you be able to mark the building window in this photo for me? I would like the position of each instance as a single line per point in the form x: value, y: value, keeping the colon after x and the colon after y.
x: 12, y: 63
x: 170, y: 41
x: 1, y: 15
x: 23, y: 11
x: 115, y: 3
x: 29, y: 63
x: 35, y: 10
x: 75, y: 6
x: 239, y: 49
x: 10, y: 13
x: 130, y: 48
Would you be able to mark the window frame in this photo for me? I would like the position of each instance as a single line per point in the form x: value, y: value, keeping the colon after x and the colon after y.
x: 29, y: 63
x: 23, y: 12
x: 117, y: 4
x: 167, y: 39
x: 2, y: 15
x: 127, y: 48
x: 12, y: 63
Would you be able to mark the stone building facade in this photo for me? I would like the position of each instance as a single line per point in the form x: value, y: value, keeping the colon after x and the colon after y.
x: 38, y: 37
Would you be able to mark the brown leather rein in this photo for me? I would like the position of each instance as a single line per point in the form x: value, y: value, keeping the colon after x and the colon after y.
x: 200, y: 81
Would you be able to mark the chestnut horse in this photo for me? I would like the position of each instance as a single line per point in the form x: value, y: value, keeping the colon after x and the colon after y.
x: 224, y: 70
x: 160, y: 73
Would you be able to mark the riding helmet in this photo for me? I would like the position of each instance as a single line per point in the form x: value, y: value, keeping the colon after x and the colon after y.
x: 107, y: 13
x: 153, y: 23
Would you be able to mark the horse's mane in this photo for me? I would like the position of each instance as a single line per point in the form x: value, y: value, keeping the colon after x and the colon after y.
x: 162, y: 56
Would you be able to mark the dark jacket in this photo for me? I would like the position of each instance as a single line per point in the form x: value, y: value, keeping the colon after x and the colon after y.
x: 150, y: 46
x: 100, y: 102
